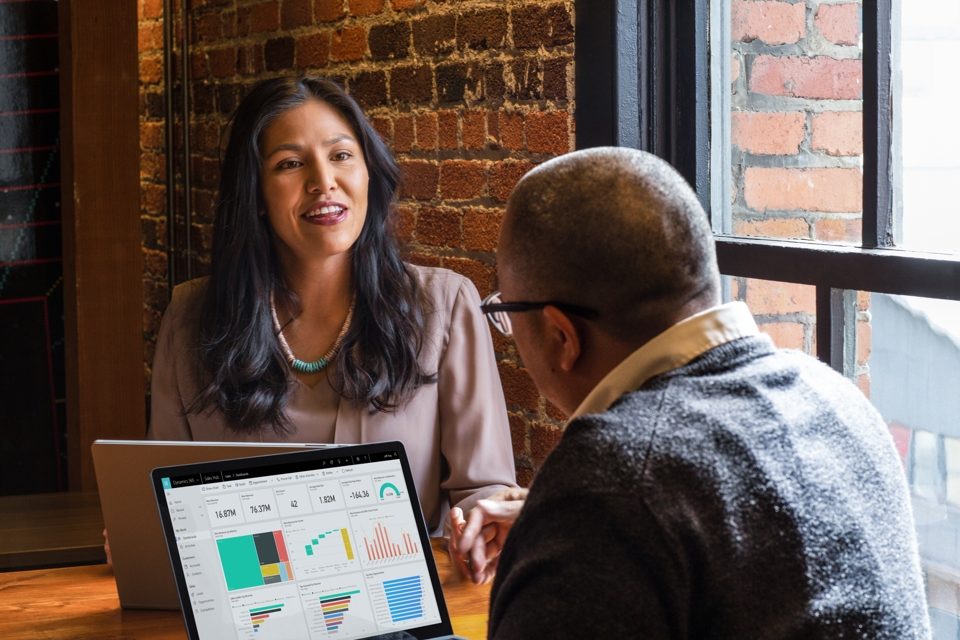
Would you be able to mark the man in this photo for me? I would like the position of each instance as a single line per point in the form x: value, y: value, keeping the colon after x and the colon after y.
x: 708, y: 485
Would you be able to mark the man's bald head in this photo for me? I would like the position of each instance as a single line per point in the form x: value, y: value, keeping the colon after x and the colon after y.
x: 615, y: 229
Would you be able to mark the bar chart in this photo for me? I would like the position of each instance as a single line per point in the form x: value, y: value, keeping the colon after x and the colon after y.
x: 273, y: 613
x: 384, y: 546
x: 338, y: 608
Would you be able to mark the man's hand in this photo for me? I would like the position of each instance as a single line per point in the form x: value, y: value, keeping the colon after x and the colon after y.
x: 476, y: 542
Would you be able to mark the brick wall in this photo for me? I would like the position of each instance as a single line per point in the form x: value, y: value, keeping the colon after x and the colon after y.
x: 469, y: 94
x: 797, y: 138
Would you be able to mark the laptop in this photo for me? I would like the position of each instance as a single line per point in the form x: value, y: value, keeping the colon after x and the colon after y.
x: 315, y: 544
x: 140, y: 564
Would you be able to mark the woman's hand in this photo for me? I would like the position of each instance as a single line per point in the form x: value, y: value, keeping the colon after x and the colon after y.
x: 477, y: 540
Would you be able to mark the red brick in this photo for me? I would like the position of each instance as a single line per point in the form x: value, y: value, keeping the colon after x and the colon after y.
x: 864, y: 341
x: 425, y: 259
x: 279, y: 53
x: 448, y: 125
x: 349, y: 43
x: 420, y: 179
x: 535, y: 26
x: 155, y: 263
x: 518, y: 433
x: 295, y: 13
x: 400, y: 5
x: 767, y: 132
x: 427, y: 131
x: 403, y: 133
x: 223, y: 62
x: 548, y: 132
x: 462, y: 179
x: 384, y: 126
x: 264, y: 17
x: 474, y: 130
x: 863, y: 383
x: 153, y: 200
x: 543, y: 440
x: 208, y: 28
x: 520, y: 392
x: 767, y: 297
x: 404, y: 221
x: 365, y: 7
x: 198, y: 63
x: 786, y: 335
x: 790, y: 228
x: 328, y: 10
x: 505, y: 175
x: 151, y: 69
x: 844, y: 230
x: 151, y: 9
x: 511, y: 130
x: 152, y: 167
x: 827, y: 190
x: 769, y: 22
x: 482, y: 30
x: 152, y: 135
x: 525, y: 472
x: 149, y: 36
x: 313, y: 50
x: 839, y: 23
x: 439, y: 227
x: 863, y: 300
x: 838, y: 133
x: 807, y: 77
x: 435, y: 35
x: 228, y: 22
x: 481, y: 228
x: 481, y: 274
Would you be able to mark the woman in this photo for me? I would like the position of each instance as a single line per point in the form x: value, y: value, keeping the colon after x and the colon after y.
x: 310, y: 328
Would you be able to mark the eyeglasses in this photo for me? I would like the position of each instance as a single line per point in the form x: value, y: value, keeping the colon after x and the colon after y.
x: 496, y: 310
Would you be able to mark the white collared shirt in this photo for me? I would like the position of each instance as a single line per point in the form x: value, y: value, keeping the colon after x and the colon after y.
x: 675, y: 347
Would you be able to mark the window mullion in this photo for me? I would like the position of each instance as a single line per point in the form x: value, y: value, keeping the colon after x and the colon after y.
x: 878, y: 120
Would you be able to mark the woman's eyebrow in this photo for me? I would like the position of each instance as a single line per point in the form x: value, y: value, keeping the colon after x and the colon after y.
x: 293, y: 146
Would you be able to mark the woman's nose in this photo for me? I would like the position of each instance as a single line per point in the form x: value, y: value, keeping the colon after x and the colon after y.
x: 321, y: 179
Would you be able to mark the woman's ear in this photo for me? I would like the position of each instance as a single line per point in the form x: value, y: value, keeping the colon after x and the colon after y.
x: 564, y: 335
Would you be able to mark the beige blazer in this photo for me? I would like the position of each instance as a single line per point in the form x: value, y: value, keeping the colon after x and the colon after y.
x: 455, y: 431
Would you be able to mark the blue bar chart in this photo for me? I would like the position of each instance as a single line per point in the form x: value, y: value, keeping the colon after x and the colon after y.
x: 404, y: 598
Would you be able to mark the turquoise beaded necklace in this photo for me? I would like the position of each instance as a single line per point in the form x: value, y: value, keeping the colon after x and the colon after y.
x: 314, y: 366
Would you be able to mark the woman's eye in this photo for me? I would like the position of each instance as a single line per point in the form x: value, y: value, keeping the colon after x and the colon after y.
x: 289, y: 164
x: 342, y: 155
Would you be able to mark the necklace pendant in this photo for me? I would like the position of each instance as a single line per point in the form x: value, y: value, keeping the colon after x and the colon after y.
x: 309, y: 367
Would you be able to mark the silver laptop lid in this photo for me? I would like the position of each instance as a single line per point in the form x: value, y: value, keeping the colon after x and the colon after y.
x: 140, y: 563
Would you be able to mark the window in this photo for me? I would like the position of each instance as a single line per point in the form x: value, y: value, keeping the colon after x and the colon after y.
x: 819, y: 136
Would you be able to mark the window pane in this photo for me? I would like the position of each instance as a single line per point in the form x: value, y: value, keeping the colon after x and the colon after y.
x: 928, y: 129
x: 785, y: 311
x: 912, y: 351
x: 788, y: 152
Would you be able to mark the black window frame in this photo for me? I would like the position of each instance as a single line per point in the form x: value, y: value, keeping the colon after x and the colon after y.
x: 643, y: 81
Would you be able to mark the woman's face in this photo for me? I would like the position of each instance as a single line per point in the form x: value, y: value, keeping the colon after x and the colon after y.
x: 314, y: 180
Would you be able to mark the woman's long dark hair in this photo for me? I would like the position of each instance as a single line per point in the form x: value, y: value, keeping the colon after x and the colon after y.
x: 243, y: 370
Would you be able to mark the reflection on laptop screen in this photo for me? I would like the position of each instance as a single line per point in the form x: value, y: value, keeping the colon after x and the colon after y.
x: 315, y: 548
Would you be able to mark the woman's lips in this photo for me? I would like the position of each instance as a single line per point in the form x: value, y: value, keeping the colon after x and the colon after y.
x: 326, y: 214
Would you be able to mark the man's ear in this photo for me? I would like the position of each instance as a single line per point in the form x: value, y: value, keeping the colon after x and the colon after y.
x: 566, y: 338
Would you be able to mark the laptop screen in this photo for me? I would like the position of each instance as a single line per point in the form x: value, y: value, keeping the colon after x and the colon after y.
x: 309, y: 545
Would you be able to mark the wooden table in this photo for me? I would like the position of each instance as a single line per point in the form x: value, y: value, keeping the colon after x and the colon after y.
x: 81, y: 603
x: 50, y: 530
